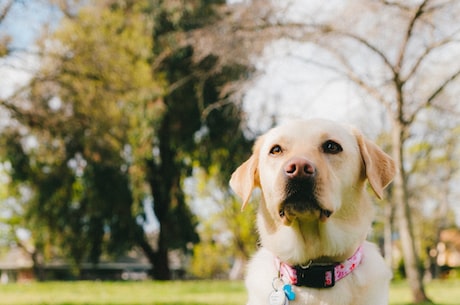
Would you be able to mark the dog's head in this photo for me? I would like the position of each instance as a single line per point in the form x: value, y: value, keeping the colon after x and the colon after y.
x: 311, y: 170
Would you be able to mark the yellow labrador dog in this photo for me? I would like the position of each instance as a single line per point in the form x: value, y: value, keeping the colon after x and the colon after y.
x: 315, y: 215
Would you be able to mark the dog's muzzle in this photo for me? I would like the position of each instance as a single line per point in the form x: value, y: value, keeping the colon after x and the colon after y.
x: 300, y: 196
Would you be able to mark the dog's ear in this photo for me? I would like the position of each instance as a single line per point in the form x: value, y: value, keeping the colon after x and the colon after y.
x: 245, y: 178
x: 380, y: 167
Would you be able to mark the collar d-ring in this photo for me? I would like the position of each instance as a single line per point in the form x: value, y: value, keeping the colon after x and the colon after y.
x: 307, y: 265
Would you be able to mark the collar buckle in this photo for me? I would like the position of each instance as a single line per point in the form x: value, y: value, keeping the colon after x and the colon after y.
x: 316, y: 276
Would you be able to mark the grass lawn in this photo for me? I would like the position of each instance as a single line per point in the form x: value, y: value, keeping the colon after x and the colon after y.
x: 175, y: 293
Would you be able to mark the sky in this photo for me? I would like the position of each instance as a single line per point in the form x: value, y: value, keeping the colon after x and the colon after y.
x: 24, y: 21
x: 293, y: 89
x: 24, y: 24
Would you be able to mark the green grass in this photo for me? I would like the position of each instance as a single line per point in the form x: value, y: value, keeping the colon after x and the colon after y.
x: 177, y: 293
x: 445, y: 292
x: 123, y: 293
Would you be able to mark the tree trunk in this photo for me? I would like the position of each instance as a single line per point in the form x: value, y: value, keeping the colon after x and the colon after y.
x: 158, y: 259
x: 388, y: 234
x: 161, y: 270
x: 159, y: 185
x: 37, y: 266
x: 441, y: 214
x: 411, y: 260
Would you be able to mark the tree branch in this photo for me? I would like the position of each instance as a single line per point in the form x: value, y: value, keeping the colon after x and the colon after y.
x: 368, y: 45
x: 352, y: 76
x: 429, y: 102
x: 441, y: 88
x: 5, y: 10
x: 427, y: 52
x: 403, y: 50
x: 397, y: 4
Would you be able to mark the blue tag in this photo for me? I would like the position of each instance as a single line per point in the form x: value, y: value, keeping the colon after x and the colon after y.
x: 290, y: 294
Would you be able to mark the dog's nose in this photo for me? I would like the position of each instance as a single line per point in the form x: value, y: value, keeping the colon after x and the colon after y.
x: 299, y: 168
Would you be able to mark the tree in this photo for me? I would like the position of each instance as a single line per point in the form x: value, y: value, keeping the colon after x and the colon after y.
x: 75, y: 109
x: 404, y: 68
x: 5, y: 39
x: 434, y: 167
x: 123, y: 99
x: 401, y: 55
x: 223, y: 229
x: 199, y: 126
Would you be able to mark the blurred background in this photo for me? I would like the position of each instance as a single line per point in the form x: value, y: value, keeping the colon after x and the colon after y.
x: 121, y: 122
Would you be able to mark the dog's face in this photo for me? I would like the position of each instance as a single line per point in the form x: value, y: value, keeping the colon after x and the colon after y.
x: 311, y: 170
x: 299, y: 166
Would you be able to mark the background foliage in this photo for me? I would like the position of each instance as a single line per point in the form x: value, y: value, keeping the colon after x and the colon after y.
x: 130, y: 102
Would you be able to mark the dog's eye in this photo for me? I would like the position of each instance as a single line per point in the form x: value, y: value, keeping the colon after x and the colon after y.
x: 276, y: 150
x: 331, y: 147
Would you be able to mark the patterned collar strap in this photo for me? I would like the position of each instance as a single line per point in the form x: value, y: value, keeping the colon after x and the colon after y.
x: 319, y: 276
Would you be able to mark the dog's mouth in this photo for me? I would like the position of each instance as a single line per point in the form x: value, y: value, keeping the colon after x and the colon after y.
x: 301, y: 202
x: 288, y: 214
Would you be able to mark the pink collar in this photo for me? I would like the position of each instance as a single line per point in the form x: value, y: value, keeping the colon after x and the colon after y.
x: 318, y: 276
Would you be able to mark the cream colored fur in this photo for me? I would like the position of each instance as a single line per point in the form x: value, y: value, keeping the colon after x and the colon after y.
x: 297, y: 237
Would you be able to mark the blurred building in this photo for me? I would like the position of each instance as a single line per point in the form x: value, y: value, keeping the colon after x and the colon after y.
x: 448, y: 248
x: 16, y: 265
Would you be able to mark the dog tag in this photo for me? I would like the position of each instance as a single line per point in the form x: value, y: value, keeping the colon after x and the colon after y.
x: 277, y: 297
